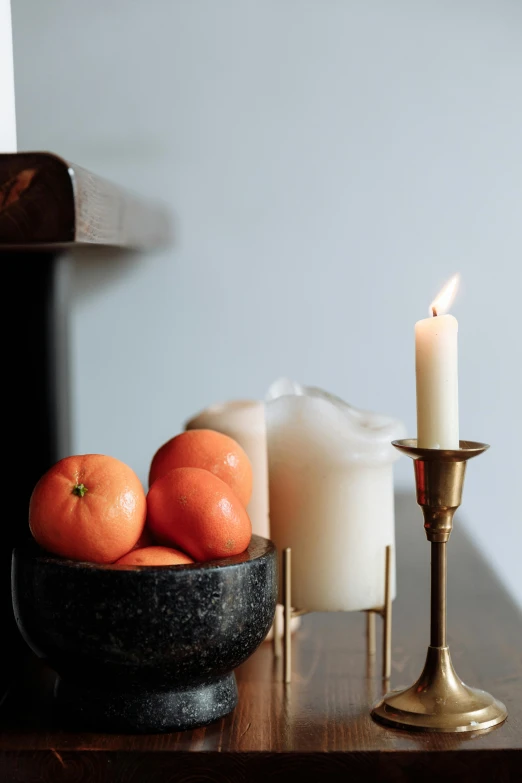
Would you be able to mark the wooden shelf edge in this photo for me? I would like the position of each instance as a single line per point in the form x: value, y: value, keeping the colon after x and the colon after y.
x: 48, y: 203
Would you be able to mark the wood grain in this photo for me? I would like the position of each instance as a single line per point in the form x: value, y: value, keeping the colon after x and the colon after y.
x: 49, y: 203
x: 318, y: 726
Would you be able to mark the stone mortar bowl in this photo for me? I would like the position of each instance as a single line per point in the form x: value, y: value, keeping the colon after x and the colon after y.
x: 144, y: 649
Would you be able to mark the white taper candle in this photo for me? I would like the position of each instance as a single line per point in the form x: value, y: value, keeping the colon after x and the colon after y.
x: 436, y: 366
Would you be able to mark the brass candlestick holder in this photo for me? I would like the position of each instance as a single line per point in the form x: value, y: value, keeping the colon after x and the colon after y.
x: 439, y: 700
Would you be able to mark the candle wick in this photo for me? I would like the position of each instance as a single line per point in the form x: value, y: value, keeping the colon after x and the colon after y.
x: 434, y: 311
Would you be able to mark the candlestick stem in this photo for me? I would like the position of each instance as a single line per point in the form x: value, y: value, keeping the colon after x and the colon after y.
x: 438, y: 594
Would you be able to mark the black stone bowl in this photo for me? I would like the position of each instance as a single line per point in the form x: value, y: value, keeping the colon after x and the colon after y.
x: 145, y: 648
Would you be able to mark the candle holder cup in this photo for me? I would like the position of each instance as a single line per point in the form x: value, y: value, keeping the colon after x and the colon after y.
x: 439, y: 701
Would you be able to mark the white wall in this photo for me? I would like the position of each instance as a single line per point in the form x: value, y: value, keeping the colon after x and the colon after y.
x: 7, y: 104
x: 329, y: 165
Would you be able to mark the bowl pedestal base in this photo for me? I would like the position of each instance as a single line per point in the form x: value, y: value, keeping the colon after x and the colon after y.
x: 144, y: 711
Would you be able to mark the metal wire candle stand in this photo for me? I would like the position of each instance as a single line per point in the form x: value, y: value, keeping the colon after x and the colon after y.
x: 282, y: 640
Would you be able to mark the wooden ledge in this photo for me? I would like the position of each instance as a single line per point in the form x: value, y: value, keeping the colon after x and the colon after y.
x: 49, y: 203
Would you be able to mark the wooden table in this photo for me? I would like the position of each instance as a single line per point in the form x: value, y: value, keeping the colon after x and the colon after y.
x: 318, y: 728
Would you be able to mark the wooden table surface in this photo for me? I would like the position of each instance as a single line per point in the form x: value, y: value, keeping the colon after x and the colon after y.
x: 319, y: 726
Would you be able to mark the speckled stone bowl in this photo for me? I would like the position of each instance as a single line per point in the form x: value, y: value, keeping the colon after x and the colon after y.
x: 145, y: 649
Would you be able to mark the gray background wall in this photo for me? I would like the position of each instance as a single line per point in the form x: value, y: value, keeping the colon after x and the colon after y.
x: 329, y: 165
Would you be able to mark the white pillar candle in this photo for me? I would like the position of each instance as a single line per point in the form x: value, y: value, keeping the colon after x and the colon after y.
x: 244, y: 421
x: 7, y: 94
x: 436, y: 368
x: 331, y: 497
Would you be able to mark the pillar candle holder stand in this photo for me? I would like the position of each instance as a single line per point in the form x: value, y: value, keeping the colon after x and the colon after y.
x: 282, y: 642
x: 439, y: 701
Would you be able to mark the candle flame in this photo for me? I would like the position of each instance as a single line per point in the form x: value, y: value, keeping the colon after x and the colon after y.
x: 442, y: 303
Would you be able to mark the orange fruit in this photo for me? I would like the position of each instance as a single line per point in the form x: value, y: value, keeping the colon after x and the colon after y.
x: 88, y: 507
x: 194, y: 510
x: 154, y: 556
x: 209, y: 450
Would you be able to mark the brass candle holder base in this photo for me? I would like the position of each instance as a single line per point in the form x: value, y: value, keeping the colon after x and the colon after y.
x: 439, y: 700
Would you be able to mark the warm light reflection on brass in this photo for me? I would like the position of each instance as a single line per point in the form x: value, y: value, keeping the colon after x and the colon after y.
x: 439, y: 700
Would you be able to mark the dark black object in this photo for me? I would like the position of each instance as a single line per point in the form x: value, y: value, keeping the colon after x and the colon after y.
x: 145, y: 649
x: 51, y: 210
